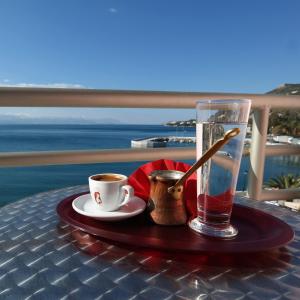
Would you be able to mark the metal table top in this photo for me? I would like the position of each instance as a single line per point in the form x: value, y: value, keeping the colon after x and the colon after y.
x: 42, y: 258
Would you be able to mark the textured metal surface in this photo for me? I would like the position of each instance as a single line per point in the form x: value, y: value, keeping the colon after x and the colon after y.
x: 41, y: 258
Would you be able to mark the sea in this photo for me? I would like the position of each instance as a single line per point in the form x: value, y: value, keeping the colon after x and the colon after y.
x: 20, y: 182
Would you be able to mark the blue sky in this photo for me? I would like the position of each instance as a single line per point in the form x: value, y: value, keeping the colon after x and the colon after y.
x: 192, y: 45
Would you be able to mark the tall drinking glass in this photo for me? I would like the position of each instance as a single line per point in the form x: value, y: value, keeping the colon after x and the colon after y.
x: 217, y: 178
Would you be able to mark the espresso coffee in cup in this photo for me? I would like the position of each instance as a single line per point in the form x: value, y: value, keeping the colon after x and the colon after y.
x: 110, y: 191
x: 107, y: 177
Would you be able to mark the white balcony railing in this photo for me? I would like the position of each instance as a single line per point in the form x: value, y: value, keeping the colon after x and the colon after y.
x: 42, y: 97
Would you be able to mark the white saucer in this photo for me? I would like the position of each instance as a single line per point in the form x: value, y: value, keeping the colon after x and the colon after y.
x: 86, y: 206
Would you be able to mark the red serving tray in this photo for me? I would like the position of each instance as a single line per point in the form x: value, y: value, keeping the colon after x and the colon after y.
x: 258, y: 231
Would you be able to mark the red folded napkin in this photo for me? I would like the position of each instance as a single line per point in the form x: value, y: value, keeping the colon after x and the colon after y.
x: 140, y: 182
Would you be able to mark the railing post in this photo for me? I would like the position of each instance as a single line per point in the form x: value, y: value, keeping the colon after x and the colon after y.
x: 257, y: 152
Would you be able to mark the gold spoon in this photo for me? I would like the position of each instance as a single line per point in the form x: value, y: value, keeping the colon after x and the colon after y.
x: 205, y: 157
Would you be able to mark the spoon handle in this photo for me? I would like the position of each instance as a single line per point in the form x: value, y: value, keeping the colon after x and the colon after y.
x: 206, y: 156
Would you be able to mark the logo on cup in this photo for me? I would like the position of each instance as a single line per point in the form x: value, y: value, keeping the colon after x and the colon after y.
x: 97, y: 197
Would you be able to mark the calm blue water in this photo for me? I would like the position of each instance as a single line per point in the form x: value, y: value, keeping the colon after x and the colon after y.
x: 24, y: 181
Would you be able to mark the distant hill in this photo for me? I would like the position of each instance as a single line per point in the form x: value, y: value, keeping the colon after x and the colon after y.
x: 285, y: 121
x: 286, y: 89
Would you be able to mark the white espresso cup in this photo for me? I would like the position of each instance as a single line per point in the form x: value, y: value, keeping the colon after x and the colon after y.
x: 110, y: 191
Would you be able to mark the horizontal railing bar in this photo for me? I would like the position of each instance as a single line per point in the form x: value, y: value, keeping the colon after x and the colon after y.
x: 284, y: 194
x: 277, y: 150
x: 18, y: 159
x: 58, y: 97
x: 15, y: 159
